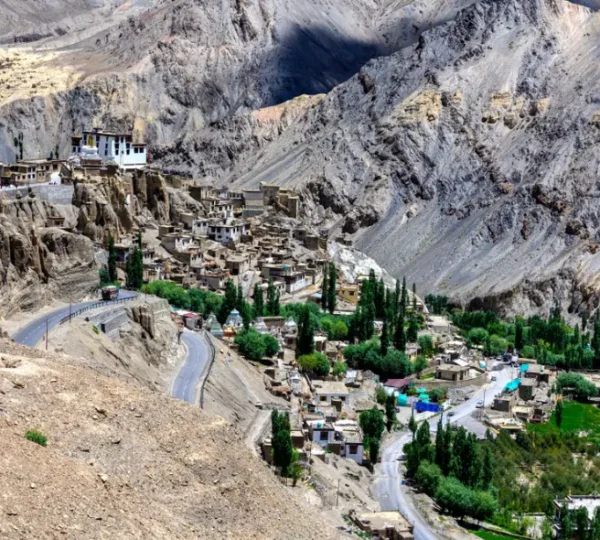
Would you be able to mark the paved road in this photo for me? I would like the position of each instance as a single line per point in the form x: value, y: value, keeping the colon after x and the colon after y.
x: 32, y: 333
x: 388, y: 488
x: 194, y: 367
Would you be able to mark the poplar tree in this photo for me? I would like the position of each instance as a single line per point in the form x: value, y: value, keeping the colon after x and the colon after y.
x: 414, y: 298
x: 259, y: 301
x: 273, y: 306
x: 400, y: 336
x: 325, y: 289
x: 385, y: 338
x: 305, y: 342
x: 134, y: 269
x: 487, y: 474
x: 332, y: 292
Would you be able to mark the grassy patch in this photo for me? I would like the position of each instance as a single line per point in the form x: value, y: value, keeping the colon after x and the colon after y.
x: 486, y: 535
x: 36, y: 436
x: 576, y: 417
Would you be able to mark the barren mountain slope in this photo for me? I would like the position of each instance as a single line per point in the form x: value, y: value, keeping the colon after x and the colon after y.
x: 466, y: 161
x: 163, y: 67
x: 126, y: 462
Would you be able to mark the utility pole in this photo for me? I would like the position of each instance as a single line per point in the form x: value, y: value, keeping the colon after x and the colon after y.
x: 337, y: 502
x: 70, y: 310
x: 483, y: 407
x: 46, y: 333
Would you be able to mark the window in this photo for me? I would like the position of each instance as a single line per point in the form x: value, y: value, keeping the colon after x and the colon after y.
x: 323, y: 436
x: 322, y: 398
x: 353, y: 448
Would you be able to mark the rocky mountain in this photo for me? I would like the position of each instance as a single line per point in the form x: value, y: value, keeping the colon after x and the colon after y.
x: 454, y: 140
x: 466, y: 160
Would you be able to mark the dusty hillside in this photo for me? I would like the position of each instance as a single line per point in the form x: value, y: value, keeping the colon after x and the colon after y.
x: 125, y: 462
x: 144, y: 347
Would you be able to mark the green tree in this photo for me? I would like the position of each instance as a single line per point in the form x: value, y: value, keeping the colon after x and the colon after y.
x: 273, y: 305
x: 495, y: 345
x: 484, y: 506
x: 305, y: 342
x: 519, y: 341
x: 315, y: 363
x: 372, y: 424
x: 413, y: 329
x: 447, y: 452
x: 325, y: 289
x: 567, y: 530
x: 426, y: 344
x: 440, y: 456
x: 390, y: 412
x: 595, y: 526
x: 385, y: 339
x: 454, y: 497
x: 420, y: 364
x: 134, y: 269
x: 374, y: 450
x: 477, y: 336
x: 112, y: 260
x: 412, y: 426
x: 251, y: 344
x: 259, y: 301
x: 104, y: 279
x: 271, y: 345
x: 404, y: 297
x: 332, y: 291
x: 283, y: 449
x: 400, y: 336
x: 338, y: 331
x: 414, y: 298
x: 487, y: 473
x: 428, y: 477
x: 229, y: 302
x: 558, y: 413
x: 423, y: 442
x: 581, y: 519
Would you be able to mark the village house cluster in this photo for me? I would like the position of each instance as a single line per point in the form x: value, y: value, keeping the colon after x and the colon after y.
x: 94, y: 153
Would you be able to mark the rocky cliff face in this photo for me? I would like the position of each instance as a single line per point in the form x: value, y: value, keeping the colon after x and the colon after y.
x: 38, y: 264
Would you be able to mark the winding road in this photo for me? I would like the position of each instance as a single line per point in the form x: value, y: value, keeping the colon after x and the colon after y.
x: 388, y: 488
x: 193, y: 369
x: 185, y: 386
x: 31, y: 334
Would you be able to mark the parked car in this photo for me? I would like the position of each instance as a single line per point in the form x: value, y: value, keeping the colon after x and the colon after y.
x: 479, y: 404
x: 451, y: 413
x: 494, y: 378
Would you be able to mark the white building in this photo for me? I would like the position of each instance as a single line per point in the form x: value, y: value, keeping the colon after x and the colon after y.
x: 111, y: 146
x: 225, y: 232
x: 200, y: 226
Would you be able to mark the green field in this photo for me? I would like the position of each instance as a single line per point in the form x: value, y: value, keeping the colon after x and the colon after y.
x: 576, y: 417
x: 486, y: 535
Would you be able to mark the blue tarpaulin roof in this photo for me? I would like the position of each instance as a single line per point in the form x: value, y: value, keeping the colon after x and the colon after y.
x: 422, y: 390
x: 482, y: 364
x: 524, y: 368
x: 512, y: 385
x: 402, y: 400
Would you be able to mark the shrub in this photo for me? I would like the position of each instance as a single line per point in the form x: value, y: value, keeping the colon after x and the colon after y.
x: 315, y: 363
x: 339, y: 368
x: 380, y: 396
x: 271, y: 345
x: 95, y: 330
x: 426, y: 344
x: 37, y: 437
